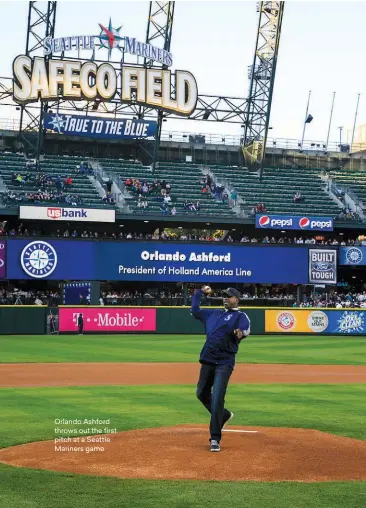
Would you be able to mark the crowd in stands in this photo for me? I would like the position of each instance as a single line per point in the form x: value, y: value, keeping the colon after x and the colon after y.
x: 259, y: 208
x: 218, y: 191
x: 17, y: 296
x: 253, y: 295
x: 51, y: 188
x: 160, y: 189
x: 169, y: 235
x: 84, y: 168
x: 348, y: 215
x: 335, y: 300
x: 108, y: 197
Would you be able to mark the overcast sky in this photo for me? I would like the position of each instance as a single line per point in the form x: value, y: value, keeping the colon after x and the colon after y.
x: 322, y: 49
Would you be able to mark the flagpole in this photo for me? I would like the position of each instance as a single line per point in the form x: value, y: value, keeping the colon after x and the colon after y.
x: 306, y: 115
x: 354, y: 123
x: 330, y: 122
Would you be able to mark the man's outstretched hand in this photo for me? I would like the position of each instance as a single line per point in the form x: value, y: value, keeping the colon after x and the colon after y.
x: 206, y: 290
x: 239, y: 334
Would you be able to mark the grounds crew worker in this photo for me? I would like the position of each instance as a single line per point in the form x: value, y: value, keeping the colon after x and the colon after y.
x: 224, y: 331
x: 80, y: 324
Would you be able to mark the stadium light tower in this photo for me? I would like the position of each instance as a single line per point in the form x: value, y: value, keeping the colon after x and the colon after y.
x: 41, y: 24
x: 159, y: 33
x: 262, y: 76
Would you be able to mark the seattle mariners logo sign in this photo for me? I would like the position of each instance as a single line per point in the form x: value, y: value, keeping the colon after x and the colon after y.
x: 354, y: 256
x: 38, y: 259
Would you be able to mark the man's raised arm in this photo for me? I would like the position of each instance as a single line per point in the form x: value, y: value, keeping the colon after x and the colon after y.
x: 196, y: 311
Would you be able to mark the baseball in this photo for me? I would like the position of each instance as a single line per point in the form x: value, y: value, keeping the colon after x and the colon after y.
x: 206, y: 289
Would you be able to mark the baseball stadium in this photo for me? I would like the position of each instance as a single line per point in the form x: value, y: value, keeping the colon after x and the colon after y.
x: 183, y: 280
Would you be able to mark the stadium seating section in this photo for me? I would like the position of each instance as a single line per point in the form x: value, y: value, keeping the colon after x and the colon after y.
x: 355, y: 180
x: 275, y: 191
x: 185, y: 185
x: 11, y: 163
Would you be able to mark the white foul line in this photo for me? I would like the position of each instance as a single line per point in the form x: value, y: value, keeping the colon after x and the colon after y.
x: 247, y: 431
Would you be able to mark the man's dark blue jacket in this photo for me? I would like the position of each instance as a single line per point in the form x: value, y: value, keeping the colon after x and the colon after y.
x: 221, y: 343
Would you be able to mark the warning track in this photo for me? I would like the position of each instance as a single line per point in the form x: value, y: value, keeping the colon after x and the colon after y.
x: 86, y: 374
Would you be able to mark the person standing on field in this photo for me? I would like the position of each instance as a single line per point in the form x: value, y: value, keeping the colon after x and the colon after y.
x: 224, y: 330
x: 80, y: 324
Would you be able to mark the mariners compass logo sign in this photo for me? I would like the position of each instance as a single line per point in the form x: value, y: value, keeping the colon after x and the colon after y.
x: 38, y: 259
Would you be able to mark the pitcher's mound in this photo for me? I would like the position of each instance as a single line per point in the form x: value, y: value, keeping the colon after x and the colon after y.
x: 182, y: 453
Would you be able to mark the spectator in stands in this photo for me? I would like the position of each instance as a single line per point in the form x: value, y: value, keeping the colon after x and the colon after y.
x: 68, y: 181
x: 167, y: 199
x: 174, y: 211
x: 298, y: 198
x: 84, y: 235
x: 74, y: 234
x: 234, y: 197
x: 128, y: 182
x: 164, y: 208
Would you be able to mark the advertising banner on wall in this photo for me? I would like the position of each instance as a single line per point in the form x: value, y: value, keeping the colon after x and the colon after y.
x: 294, y: 222
x: 2, y: 259
x: 151, y: 261
x: 97, y: 127
x: 60, y: 213
x: 322, y: 266
x: 353, y: 255
x: 108, y: 319
x: 343, y: 322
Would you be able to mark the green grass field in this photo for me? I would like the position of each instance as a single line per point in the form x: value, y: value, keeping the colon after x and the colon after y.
x: 28, y: 414
x: 179, y: 348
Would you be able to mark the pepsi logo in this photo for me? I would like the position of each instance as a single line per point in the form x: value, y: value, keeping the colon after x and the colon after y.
x: 304, y: 223
x: 264, y: 221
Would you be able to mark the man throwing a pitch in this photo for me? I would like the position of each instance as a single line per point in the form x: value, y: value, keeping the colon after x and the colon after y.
x: 224, y: 331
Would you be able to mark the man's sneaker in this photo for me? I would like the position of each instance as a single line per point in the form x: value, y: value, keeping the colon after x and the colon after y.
x: 215, y: 445
x: 227, y: 419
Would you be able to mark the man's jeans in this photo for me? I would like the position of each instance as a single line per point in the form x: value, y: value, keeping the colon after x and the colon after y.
x: 215, y: 377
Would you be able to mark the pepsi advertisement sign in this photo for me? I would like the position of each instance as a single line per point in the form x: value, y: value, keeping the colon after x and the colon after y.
x: 294, y: 222
x: 59, y: 259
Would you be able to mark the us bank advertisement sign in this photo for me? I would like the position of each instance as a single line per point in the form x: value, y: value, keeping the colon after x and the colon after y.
x: 340, y: 322
x: 60, y: 213
x: 152, y: 261
x: 322, y: 266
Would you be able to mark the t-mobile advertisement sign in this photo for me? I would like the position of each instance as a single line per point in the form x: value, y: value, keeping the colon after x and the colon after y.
x: 2, y: 259
x: 108, y: 319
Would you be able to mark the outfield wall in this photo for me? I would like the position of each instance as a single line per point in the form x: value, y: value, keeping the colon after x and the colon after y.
x: 174, y: 320
x: 23, y: 319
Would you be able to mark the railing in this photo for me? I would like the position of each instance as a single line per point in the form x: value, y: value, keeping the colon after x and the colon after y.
x: 169, y: 301
x: 315, y: 146
x: 102, y: 175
